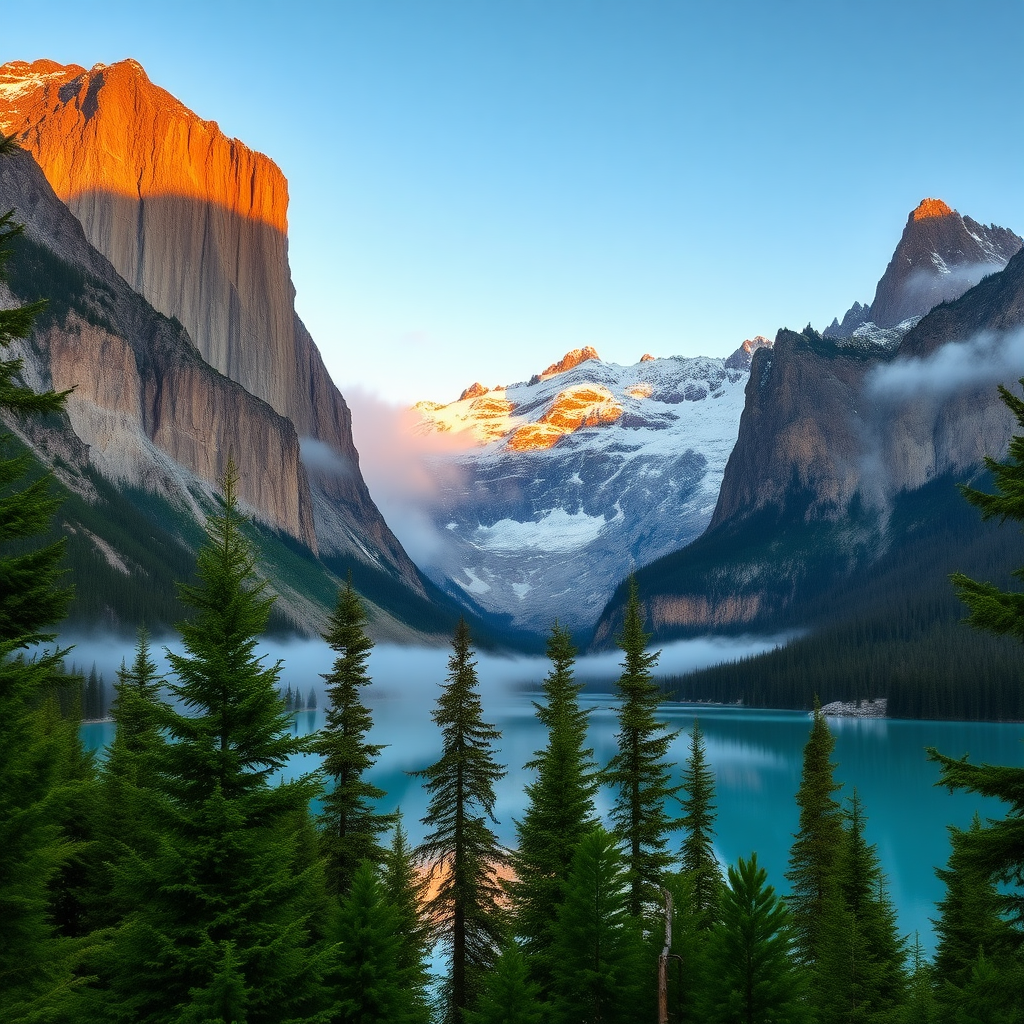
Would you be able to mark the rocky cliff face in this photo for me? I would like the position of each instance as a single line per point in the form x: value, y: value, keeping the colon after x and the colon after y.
x: 196, y: 223
x: 833, y: 436
x: 939, y: 256
x: 152, y: 413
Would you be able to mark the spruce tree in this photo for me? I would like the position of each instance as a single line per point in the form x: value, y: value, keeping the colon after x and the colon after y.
x: 369, y: 982
x: 755, y: 976
x: 814, y: 856
x: 560, y: 811
x: 222, y: 905
x: 969, y: 914
x: 461, y: 848
x: 697, y: 854
x: 34, y: 966
x: 640, y: 771
x: 598, y: 952
x: 997, y: 849
x: 405, y: 889
x: 349, y: 822
x: 509, y: 995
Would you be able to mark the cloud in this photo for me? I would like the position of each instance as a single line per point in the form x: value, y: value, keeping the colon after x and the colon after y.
x: 929, y: 289
x: 407, y: 469
x: 987, y: 359
x: 319, y: 456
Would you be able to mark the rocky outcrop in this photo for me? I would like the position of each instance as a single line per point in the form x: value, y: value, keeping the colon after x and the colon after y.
x: 939, y: 256
x: 152, y: 413
x: 196, y: 223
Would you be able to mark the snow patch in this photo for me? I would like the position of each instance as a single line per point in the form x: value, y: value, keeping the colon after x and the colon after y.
x: 556, y: 530
x: 475, y: 584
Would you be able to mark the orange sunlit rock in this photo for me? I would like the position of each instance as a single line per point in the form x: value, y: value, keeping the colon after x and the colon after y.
x: 647, y: 358
x: 111, y: 130
x: 571, y: 360
x: 586, y: 405
x: 931, y: 208
x: 640, y: 391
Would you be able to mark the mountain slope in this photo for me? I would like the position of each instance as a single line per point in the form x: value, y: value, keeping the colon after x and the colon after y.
x: 574, y: 478
x: 195, y: 222
x: 939, y: 256
x: 835, y: 438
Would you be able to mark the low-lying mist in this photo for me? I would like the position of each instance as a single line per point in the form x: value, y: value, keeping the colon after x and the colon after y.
x: 413, y: 674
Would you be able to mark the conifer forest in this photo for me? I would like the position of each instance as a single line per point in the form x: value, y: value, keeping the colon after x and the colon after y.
x: 178, y: 880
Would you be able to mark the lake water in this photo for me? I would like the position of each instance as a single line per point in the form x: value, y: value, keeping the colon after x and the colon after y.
x: 756, y: 756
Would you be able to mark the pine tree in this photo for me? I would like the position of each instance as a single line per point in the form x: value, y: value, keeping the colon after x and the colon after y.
x: 861, y: 967
x: 997, y: 849
x: 560, y: 811
x: 640, y: 771
x: 349, y: 823
x: 697, y: 854
x: 34, y: 965
x: 461, y: 848
x: 814, y: 856
x: 755, y: 976
x: 599, y: 957
x: 509, y: 996
x: 969, y: 914
x: 222, y: 908
x: 405, y: 889
x: 370, y: 984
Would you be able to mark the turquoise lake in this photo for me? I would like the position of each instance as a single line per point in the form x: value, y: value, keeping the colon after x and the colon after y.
x: 756, y: 756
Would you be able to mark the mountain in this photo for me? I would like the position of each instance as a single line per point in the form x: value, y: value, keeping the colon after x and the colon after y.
x: 570, y: 480
x: 151, y: 423
x: 939, y: 257
x: 847, y: 455
x: 196, y: 223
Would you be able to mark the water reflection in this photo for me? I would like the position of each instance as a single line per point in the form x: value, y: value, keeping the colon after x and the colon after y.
x: 756, y: 756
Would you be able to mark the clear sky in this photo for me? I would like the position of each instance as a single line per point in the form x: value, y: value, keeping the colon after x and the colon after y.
x: 478, y: 186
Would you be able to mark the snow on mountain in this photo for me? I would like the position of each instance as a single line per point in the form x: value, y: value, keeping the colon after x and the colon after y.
x: 578, y: 476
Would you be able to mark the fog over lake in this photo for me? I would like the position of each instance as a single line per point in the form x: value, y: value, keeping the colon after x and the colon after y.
x: 756, y: 754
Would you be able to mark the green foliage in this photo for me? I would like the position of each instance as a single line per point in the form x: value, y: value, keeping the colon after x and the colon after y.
x: 640, y: 771
x: 813, y: 858
x: 405, y: 889
x: 756, y: 977
x: 598, y: 954
x: 970, y: 915
x: 560, y: 811
x: 369, y: 982
x: 223, y: 900
x: 509, y: 997
x: 996, y: 850
x: 349, y: 824
x: 461, y: 849
x: 697, y: 853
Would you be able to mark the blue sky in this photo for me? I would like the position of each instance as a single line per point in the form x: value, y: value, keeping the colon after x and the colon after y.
x: 479, y: 185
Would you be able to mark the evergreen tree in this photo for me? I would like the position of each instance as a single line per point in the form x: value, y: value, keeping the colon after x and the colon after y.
x: 861, y: 967
x: 349, y: 823
x: 969, y: 914
x: 34, y: 965
x: 755, y: 976
x: 369, y: 981
x: 405, y: 889
x: 560, y: 811
x: 599, y: 956
x: 640, y: 771
x: 697, y: 854
x: 814, y: 856
x: 461, y: 849
x: 222, y: 908
x: 997, y: 849
x: 509, y: 996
